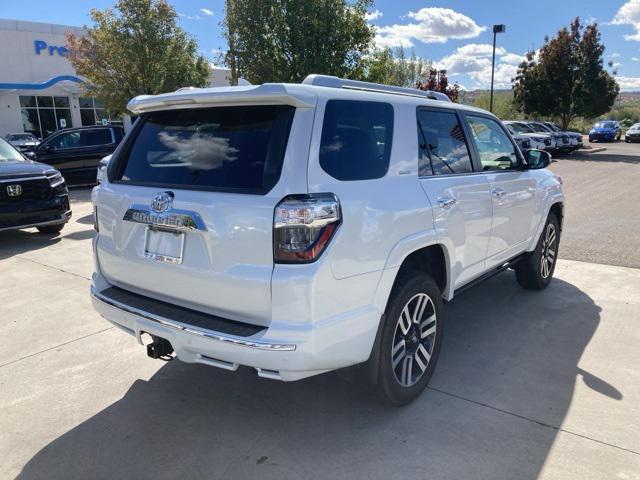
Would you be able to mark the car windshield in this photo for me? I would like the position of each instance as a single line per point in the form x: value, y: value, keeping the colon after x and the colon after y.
x: 27, y: 137
x: 552, y: 127
x: 8, y: 153
x: 537, y: 128
x: 635, y: 126
x: 519, y: 128
x: 605, y: 125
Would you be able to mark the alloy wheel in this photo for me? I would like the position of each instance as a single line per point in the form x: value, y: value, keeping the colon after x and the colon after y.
x: 414, y: 340
x: 549, y: 249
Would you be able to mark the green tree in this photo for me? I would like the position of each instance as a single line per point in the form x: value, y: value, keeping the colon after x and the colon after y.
x: 568, y: 79
x: 286, y: 40
x: 503, y: 106
x: 136, y: 48
x: 391, y: 67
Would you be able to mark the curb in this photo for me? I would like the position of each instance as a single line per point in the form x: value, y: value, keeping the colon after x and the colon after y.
x: 592, y: 150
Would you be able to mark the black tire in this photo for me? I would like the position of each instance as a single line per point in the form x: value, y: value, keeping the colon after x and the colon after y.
x: 410, y: 291
x: 51, y: 229
x: 531, y: 272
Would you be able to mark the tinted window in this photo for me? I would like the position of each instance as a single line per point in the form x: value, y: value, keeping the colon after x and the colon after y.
x: 66, y: 140
x: 92, y: 138
x: 8, y: 153
x: 220, y: 148
x: 443, y: 148
x: 495, y: 148
x: 356, y: 139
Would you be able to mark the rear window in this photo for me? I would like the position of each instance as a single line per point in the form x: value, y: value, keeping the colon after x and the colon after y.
x: 356, y: 139
x: 219, y: 148
x: 100, y: 136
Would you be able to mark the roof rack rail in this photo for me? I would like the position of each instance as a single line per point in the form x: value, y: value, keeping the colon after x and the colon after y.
x: 335, y: 82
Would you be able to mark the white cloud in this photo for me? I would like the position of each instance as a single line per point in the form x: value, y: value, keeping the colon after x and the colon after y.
x: 635, y: 59
x: 474, y: 60
x: 615, y: 55
x: 629, y: 14
x: 616, y: 65
x: 207, y: 12
x: 628, y: 83
x: 189, y: 17
x: 432, y: 25
x: 512, y: 59
x: 371, y: 16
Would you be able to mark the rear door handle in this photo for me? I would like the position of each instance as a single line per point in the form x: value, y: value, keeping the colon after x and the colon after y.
x: 445, y: 202
x: 498, y: 192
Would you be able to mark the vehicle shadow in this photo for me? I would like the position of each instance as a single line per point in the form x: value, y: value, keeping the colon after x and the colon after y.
x: 511, y: 350
x: 15, y: 242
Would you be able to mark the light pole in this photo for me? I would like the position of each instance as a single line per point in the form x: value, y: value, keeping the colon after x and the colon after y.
x: 496, y: 29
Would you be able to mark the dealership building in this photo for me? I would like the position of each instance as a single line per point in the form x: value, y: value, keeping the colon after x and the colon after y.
x: 39, y: 89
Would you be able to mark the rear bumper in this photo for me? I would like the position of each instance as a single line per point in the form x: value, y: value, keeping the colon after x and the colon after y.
x: 279, y: 352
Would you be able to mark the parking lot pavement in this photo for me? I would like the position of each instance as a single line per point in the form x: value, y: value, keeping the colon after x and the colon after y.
x: 529, y: 385
x: 602, y: 218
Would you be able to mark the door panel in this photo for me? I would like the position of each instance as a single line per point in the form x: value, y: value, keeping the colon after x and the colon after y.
x: 513, y: 196
x: 462, y: 207
x: 465, y: 222
x: 512, y: 189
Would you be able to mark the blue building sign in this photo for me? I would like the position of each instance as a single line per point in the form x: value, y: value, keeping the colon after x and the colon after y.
x: 41, y: 45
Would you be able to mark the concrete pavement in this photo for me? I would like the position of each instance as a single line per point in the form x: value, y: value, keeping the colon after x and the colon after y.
x: 529, y: 385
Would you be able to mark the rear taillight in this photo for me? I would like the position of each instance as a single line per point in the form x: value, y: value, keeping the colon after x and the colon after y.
x: 303, y: 226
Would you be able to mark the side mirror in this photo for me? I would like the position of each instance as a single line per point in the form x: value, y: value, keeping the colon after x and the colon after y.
x: 29, y: 155
x: 538, y: 159
x: 46, y: 147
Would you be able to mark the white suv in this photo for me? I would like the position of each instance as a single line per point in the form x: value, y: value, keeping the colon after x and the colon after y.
x: 301, y: 228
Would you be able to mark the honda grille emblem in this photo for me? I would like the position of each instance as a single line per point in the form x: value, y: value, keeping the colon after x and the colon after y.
x: 14, y: 190
x: 162, y: 202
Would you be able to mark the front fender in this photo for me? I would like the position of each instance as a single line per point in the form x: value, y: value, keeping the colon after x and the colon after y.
x: 554, y: 195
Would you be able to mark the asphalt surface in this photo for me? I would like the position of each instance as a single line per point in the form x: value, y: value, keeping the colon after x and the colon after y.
x: 602, y: 212
x: 529, y: 385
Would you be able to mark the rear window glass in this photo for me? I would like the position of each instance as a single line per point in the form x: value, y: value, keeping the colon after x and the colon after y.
x: 356, y: 139
x: 101, y: 136
x: 219, y: 148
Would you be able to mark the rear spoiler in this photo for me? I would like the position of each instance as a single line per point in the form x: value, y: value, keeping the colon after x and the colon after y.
x: 266, y: 94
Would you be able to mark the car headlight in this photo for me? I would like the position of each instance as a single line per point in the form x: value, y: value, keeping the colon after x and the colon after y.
x: 55, y: 178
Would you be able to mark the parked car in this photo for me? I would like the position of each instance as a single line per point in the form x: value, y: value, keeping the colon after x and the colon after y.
x: 76, y: 152
x: 574, y: 137
x: 537, y: 140
x: 31, y: 194
x: 23, y: 141
x: 563, y: 142
x: 606, y: 131
x: 633, y: 134
x: 300, y: 228
x: 523, y: 142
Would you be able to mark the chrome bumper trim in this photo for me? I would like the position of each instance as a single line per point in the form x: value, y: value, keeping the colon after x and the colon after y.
x: 256, y: 344
x: 64, y: 218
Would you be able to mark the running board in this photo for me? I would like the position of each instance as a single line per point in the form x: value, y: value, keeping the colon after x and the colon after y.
x: 489, y: 274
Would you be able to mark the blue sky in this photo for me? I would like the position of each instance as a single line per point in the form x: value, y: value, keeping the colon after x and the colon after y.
x: 454, y: 34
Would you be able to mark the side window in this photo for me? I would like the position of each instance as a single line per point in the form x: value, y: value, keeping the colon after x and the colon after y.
x: 66, y: 140
x: 443, y: 148
x: 356, y: 139
x: 92, y: 138
x: 495, y: 148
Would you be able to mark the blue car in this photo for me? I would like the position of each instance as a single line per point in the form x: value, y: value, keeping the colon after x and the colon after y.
x: 606, y: 131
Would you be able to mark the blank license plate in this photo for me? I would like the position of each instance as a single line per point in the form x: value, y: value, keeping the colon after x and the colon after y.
x: 164, y: 246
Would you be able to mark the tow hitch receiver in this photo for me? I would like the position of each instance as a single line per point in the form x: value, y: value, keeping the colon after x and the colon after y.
x: 160, y: 348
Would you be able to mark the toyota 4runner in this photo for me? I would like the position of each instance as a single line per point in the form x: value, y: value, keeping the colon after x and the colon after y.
x: 301, y: 228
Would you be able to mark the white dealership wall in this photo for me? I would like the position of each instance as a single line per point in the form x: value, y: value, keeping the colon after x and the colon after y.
x: 33, y: 62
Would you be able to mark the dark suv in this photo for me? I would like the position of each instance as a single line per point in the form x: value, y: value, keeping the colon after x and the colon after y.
x: 76, y: 152
x: 31, y: 194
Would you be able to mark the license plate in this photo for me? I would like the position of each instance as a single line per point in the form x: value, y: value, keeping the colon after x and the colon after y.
x: 164, y: 245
